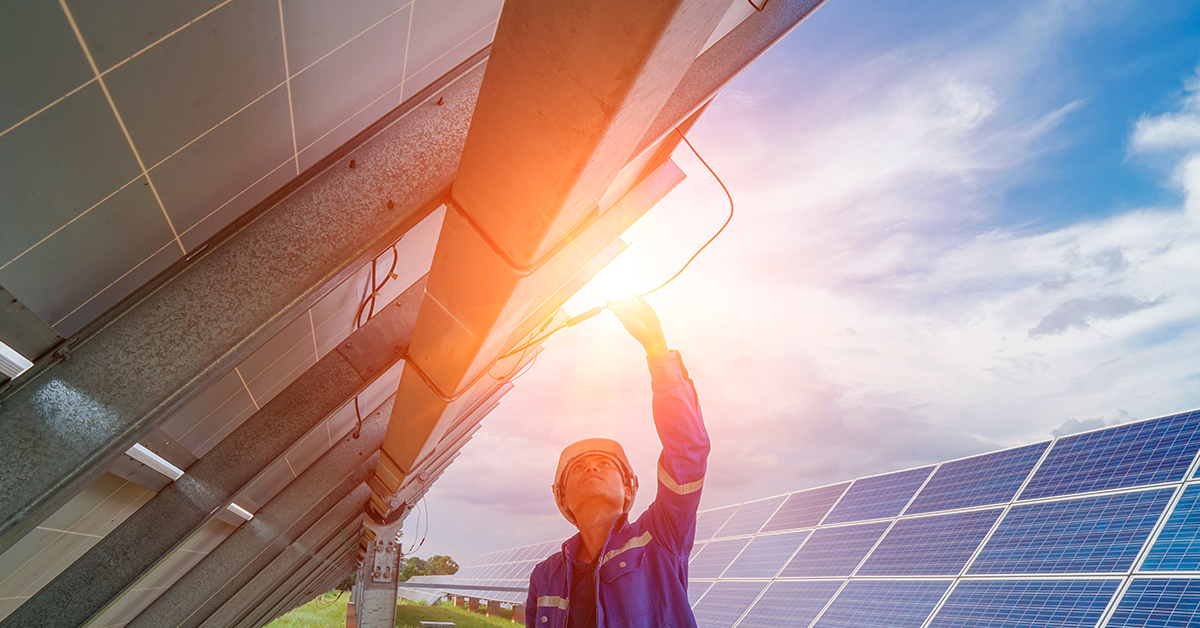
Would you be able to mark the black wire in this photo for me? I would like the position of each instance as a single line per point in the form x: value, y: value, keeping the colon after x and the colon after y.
x: 758, y: 8
x: 362, y: 305
x: 571, y: 322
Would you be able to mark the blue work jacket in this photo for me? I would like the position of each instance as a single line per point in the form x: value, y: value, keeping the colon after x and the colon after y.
x: 642, y: 571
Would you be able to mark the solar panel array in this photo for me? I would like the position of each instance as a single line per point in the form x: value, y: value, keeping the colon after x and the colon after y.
x: 1095, y: 530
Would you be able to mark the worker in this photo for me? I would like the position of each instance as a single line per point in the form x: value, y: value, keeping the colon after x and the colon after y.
x: 615, y: 572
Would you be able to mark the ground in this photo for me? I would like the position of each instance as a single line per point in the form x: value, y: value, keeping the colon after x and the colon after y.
x: 329, y: 611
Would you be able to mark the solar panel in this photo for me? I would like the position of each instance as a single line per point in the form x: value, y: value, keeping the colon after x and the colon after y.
x: 750, y: 517
x: 765, y: 555
x: 725, y: 603
x: 1101, y: 534
x: 886, y: 604
x: 834, y: 552
x: 1159, y: 603
x: 1148, y: 452
x: 1025, y: 604
x: 979, y: 481
x: 696, y: 590
x: 709, y: 521
x: 715, y: 557
x: 878, y: 497
x: 1178, y: 545
x: 805, y: 509
x: 930, y: 546
x: 790, y: 604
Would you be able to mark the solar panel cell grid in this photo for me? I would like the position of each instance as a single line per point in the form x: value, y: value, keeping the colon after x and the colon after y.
x: 979, y: 481
x: 1177, y: 547
x: 1148, y: 452
x: 1025, y: 604
x: 1159, y: 603
x: 725, y: 603
x: 883, y: 604
x: 715, y: 557
x: 878, y: 497
x: 930, y: 546
x: 805, y: 509
x: 709, y: 521
x: 834, y: 552
x: 696, y: 590
x: 750, y: 517
x: 1101, y: 534
x: 765, y: 555
x: 790, y: 604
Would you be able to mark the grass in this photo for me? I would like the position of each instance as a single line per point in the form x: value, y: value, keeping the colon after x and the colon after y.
x: 328, y: 611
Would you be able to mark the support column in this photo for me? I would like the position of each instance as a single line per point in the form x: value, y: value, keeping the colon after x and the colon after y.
x: 379, y: 574
x: 460, y: 601
x: 493, y: 608
x: 518, y: 613
x: 473, y: 604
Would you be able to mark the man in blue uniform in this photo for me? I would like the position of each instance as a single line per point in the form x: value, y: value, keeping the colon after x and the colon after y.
x: 616, y: 572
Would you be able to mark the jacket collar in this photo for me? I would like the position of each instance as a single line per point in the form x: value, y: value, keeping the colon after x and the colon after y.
x: 571, y: 546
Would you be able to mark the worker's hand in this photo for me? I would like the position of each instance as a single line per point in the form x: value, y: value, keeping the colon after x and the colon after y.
x: 641, y: 322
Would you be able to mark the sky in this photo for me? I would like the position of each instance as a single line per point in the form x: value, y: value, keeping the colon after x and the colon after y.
x: 960, y: 226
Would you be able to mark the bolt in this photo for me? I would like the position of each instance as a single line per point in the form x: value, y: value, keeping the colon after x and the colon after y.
x: 440, y: 101
x: 348, y: 345
x: 391, y: 204
x: 352, y: 164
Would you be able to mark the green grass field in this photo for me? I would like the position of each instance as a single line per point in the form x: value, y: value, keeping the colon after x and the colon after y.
x: 329, y: 611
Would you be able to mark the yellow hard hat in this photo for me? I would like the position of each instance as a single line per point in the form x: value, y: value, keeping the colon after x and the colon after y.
x: 605, y: 446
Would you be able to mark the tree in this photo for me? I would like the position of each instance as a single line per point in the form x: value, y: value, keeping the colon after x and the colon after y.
x: 435, y: 566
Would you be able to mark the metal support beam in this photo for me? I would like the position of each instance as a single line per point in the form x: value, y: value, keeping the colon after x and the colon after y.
x: 380, y: 572
x: 176, y: 512
x: 277, y: 525
x: 65, y: 424
x: 278, y: 579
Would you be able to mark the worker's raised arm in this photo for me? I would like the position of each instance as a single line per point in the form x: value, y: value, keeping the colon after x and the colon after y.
x: 684, y: 458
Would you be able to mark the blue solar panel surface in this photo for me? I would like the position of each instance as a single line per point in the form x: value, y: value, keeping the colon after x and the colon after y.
x: 1101, y: 534
x: 1159, y: 603
x: 709, y: 521
x: 725, y: 603
x: 1177, y: 547
x: 1025, y: 604
x: 930, y: 546
x: 878, y: 497
x: 979, y: 481
x: 696, y: 590
x: 790, y: 604
x: 750, y: 517
x: 715, y: 557
x: 765, y: 555
x: 1148, y: 452
x: 805, y: 509
x: 834, y: 552
x: 883, y: 604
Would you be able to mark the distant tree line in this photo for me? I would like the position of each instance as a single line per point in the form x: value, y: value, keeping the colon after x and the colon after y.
x: 438, y: 565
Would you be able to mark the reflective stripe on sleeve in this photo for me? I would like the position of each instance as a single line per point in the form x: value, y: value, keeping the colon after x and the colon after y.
x: 553, y: 601
x: 682, y: 489
x: 638, y: 541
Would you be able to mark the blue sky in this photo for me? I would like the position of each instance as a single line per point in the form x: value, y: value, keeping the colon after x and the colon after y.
x: 961, y: 226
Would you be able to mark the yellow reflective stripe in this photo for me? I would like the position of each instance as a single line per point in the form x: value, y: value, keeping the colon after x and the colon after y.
x: 553, y: 601
x: 640, y: 541
x: 682, y: 489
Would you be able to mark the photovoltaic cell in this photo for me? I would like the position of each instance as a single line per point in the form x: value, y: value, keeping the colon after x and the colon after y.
x: 750, y: 517
x: 930, y: 546
x: 765, y: 555
x: 978, y: 481
x: 834, y: 552
x: 709, y: 521
x: 1148, y: 452
x: 878, y: 497
x: 1026, y: 604
x: 790, y: 604
x: 696, y: 590
x: 883, y: 604
x: 715, y: 557
x: 1101, y: 534
x: 1178, y: 545
x: 805, y: 509
x: 1159, y: 603
x: 725, y: 603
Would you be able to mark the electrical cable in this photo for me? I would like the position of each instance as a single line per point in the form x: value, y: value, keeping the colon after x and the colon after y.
x: 758, y: 8
x: 575, y: 320
x: 362, y: 305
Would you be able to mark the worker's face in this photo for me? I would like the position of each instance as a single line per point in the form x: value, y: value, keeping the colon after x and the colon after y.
x: 594, y: 480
